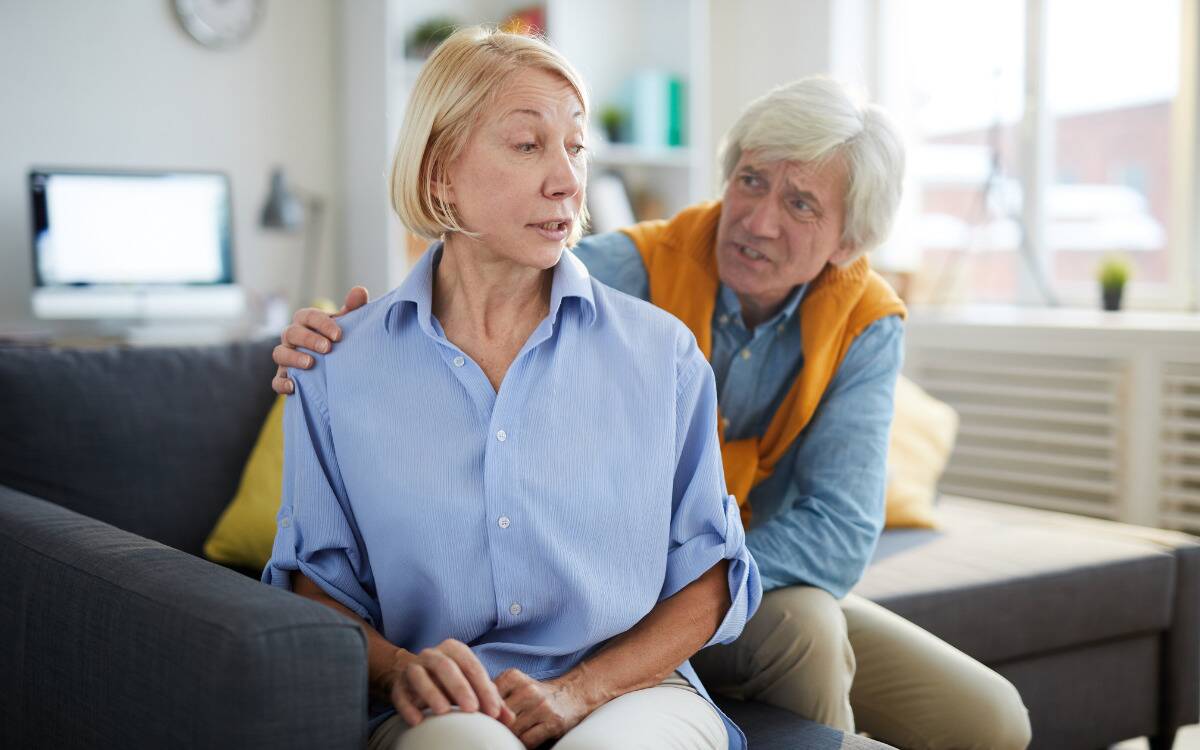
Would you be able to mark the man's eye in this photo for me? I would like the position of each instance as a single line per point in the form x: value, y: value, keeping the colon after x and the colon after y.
x: 800, y: 205
x: 750, y: 180
x: 527, y: 148
x: 577, y: 149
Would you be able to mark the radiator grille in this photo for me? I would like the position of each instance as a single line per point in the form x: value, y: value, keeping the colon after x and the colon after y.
x: 1035, y: 429
x: 1181, y: 446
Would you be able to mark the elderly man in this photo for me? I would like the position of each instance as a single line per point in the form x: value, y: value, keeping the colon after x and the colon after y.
x: 806, y: 343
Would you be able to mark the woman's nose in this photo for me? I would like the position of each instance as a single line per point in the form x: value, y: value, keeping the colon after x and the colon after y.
x: 565, y: 177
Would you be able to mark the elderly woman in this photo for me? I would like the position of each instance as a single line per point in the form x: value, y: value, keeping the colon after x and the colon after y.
x: 509, y: 473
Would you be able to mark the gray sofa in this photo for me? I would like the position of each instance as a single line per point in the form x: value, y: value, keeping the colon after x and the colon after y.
x: 115, y: 463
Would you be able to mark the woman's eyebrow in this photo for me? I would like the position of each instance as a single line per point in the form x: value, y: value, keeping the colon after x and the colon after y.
x: 576, y: 115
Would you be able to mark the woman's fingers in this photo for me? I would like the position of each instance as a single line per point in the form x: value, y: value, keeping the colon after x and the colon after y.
x: 450, y: 677
x: 506, y: 717
x: 425, y: 689
x: 473, y: 669
x: 406, y: 704
x: 536, y: 735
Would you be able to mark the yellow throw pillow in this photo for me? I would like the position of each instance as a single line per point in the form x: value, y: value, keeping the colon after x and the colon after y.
x: 245, y: 532
x: 923, y: 432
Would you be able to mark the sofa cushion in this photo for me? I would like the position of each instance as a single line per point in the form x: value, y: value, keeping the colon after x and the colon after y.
x: 151, y: 440
x: 1002, y: 582
x: 770, y: 728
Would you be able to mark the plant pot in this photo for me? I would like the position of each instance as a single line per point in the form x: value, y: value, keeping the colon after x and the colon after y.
x: 1111, y: 297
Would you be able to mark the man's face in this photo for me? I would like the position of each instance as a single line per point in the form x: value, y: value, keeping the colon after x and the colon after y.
x: 781, y: 223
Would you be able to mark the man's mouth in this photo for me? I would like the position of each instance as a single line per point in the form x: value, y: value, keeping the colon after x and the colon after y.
x: 750, y: 253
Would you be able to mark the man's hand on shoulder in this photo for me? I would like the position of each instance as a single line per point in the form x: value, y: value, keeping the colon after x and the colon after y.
x: 311, y: 329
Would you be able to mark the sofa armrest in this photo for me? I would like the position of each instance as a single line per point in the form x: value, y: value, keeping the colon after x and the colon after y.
x: 108, y: 639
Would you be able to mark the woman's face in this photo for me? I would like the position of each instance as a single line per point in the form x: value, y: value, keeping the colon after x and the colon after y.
x: 519, y: 180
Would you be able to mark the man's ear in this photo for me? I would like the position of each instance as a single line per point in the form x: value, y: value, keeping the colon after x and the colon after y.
x: 845, y: 252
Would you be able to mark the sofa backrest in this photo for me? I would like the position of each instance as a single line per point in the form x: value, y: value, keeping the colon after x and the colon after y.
x: 150, y: 440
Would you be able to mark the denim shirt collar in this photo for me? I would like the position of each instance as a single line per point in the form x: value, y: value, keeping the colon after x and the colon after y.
x: 729, y: 304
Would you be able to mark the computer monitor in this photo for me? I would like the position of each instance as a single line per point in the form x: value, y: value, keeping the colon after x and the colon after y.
x: 132, y: 245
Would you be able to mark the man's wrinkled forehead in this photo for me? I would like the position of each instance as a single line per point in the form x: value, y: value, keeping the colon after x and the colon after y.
x: 800, y: 175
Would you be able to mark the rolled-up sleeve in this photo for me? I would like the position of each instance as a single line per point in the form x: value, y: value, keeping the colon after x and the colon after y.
x: 315, y: 532
x: 706, y: 526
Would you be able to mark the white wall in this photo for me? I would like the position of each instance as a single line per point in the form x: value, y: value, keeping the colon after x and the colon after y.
x: 119, y: 84
x: 760, y: 44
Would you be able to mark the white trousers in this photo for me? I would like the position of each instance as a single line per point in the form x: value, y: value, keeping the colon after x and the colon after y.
x: 670, y: 716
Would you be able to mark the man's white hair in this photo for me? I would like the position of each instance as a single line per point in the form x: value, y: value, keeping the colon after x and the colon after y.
x: 817, y: 118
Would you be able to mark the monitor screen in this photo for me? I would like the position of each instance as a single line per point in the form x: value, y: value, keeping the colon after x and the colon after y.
x: 130, y: 228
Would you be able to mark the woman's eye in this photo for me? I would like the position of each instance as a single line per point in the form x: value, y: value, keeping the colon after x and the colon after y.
x: 800, y: 205
x: 526, y: 148
x: 577, y: 149
x: 749, y: 180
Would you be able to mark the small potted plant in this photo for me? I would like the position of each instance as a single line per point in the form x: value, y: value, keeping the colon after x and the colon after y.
x: 1114, y: 273
x: 612, y: 119
x: 428, y: 35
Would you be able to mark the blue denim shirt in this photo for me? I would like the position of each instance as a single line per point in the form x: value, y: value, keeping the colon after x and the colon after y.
x: 817, y: 518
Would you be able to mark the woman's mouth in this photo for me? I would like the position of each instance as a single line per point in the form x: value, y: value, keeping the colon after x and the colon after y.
x: 553, y: 230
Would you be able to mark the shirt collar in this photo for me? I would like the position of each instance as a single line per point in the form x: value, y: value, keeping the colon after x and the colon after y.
x: 571, y: 279
x: 729, y: 304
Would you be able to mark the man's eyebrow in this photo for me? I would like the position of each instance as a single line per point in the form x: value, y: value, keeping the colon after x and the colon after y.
x: 806, y: 195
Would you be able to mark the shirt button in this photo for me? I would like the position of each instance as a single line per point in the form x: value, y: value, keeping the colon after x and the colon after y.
x: 514, y: 609
x: 724, y: 424
x: 286, y: 522
x: 501, y: 435
x: 745, y: 354
x: 459, y: 361
x: 780, y: 327
x: 723, y: 320
x: 503, y: 522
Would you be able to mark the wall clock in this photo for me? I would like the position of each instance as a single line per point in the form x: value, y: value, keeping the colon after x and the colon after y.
x: 219, y: 23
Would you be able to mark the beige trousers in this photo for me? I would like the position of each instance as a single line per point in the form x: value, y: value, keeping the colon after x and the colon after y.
x: 671, y: 716
x: 853, y: 664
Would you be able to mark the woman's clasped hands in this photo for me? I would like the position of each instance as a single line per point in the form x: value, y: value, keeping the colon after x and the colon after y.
x: 450, y: 675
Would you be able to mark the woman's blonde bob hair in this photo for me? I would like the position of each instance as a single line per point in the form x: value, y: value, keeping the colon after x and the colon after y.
x: 457, y: 84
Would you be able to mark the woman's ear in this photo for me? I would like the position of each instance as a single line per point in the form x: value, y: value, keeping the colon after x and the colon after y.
x: 443, y: 191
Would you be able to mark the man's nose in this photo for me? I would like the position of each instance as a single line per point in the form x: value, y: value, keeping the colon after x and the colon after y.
x: 763, y: 219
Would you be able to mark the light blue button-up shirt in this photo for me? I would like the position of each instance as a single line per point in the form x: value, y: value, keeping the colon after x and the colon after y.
x: 533, y: 523
x: 818, y: 517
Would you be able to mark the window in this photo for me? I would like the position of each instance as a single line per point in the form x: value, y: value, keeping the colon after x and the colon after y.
x: 1068, y: 102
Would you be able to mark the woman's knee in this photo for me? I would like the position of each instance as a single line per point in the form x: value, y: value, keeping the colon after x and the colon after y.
x: 1003, y: 720
x: 459, y: 730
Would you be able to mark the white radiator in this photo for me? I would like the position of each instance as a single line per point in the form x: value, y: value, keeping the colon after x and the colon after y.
x: 1035, y: 429
x: 1181, y: 446
x: 1069, y: 410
